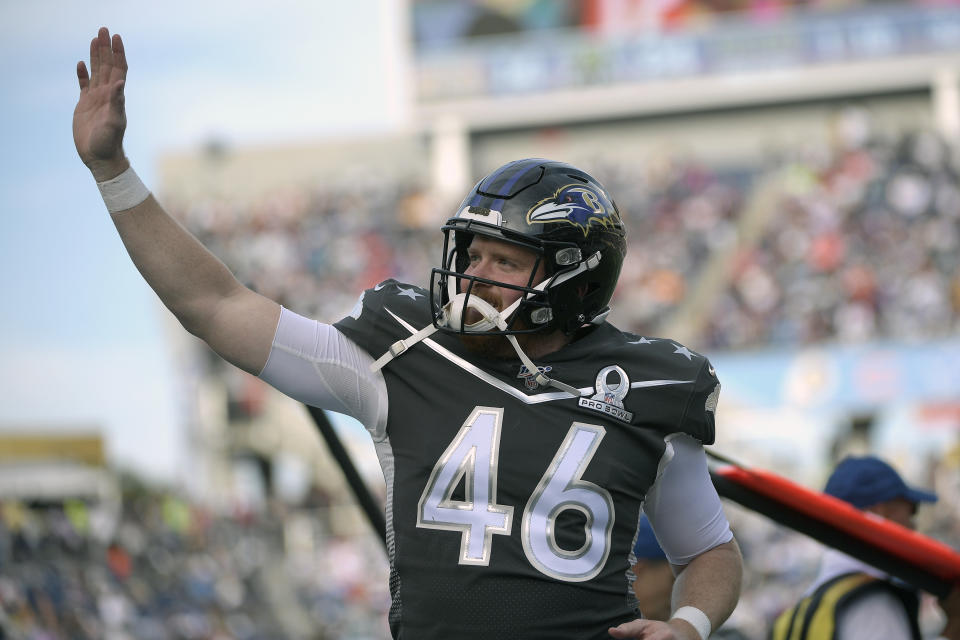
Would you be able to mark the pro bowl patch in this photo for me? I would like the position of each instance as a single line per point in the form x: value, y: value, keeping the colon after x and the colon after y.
x: 608, y: 398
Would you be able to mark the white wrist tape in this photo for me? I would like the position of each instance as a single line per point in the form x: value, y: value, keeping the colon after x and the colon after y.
x: 123, y: 192
x: 698, y: 619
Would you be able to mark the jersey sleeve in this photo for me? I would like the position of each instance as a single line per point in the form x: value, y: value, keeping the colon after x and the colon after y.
x: 314, y: 363
x: 369, y: 323
x: 701, y: 524
x: 698, y: 418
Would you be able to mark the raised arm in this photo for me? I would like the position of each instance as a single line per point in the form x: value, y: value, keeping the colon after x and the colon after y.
x: 200, y: 291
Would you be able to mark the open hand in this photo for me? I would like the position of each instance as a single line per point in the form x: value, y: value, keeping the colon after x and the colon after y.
x: 654, y: 630
x: 100, y: 119
x: 951, y: 606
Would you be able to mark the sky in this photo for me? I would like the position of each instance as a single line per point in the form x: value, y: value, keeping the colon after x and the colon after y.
x: 84, y: 344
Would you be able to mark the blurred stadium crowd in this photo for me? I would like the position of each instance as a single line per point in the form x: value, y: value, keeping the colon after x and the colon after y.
x: 862, y: 245
x: 856, y: 240
x: 168, y: 569
x: 165, y: 569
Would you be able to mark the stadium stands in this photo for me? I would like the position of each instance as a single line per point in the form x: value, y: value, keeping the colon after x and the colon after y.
x: 171, y: 569
x: 860, y: 242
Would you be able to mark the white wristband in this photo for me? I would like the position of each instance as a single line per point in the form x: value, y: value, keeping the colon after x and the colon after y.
x: 123, y: 192
x: 698, y: 619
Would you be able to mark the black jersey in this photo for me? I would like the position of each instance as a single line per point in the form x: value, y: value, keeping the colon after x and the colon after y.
x: 513, y: 508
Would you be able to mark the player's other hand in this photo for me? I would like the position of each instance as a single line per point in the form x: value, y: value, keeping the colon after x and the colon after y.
x: 654, y: 630
x: 100, y: 119
x: 951, y: 607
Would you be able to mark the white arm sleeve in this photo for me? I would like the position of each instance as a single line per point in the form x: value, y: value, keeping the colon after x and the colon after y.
x: 683, y: 505
x: 314, y: 363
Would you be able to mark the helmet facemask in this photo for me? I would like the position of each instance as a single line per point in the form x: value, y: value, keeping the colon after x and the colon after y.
x: 455, y: 293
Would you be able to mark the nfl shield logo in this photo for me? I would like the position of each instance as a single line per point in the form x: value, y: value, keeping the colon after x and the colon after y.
x: 528, y: 377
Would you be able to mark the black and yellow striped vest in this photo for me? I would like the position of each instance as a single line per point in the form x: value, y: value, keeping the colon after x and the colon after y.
x: 815, y: 616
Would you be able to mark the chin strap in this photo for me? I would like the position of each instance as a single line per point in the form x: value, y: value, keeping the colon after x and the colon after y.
x: 400, y: 346
x: 453, y: 315
x: 540, y: 376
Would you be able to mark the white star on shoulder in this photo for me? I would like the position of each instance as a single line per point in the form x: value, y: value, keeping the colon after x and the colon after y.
x: 682, y: 350
x: 410, y: 293
x: 642, y: 340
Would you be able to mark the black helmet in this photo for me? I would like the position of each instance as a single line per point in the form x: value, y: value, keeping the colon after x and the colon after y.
x: 565, y: 217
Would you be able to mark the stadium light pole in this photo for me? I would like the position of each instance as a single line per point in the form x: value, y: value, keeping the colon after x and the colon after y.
x: 371, y: 508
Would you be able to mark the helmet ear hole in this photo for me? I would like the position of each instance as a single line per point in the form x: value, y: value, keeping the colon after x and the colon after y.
x: 462, y: 262
x: 542, y: 315
x: 462, y: 257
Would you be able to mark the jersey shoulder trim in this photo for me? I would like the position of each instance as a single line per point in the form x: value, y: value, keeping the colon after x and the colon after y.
x: 368, y: 323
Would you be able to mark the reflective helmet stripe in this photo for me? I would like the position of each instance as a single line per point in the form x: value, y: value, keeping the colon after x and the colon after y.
x: 501, y: 181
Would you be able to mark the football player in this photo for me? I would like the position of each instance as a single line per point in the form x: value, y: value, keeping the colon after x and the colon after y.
x: 521, y: 435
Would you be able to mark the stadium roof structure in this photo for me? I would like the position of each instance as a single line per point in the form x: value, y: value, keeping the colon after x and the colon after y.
x: 565, y: 75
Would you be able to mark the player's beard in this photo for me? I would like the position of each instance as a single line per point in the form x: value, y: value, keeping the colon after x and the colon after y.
x: 494, y: 347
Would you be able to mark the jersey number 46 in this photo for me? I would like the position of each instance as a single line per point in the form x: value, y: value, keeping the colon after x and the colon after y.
x: 472, y: 457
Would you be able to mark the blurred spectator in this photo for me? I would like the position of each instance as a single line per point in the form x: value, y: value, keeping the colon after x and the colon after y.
x: 850, y: 599
x: 654, y: 584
